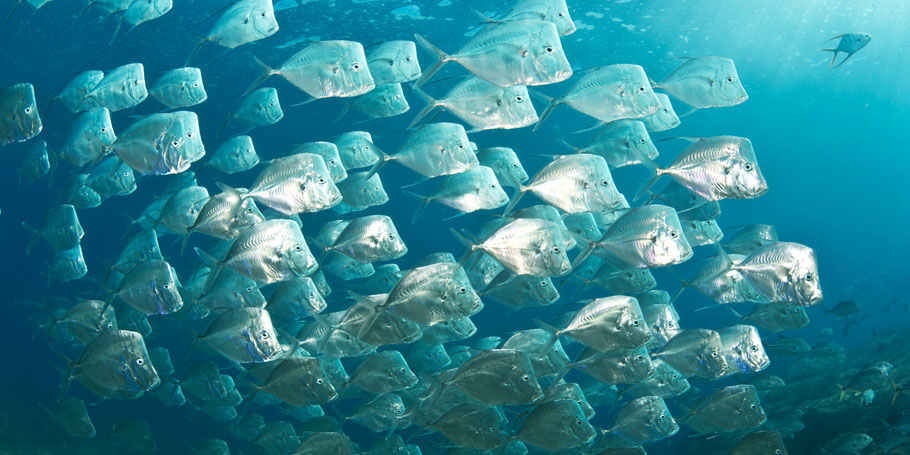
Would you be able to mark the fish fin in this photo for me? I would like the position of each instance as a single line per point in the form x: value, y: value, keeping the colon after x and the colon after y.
x: 85, y: 9
x: 654, y: 84
x: 67, y: 378
x: 593, y: 127
x: 229, y: 189
x: 441, y: 59
x: 483, y: 17
x: 554, y: 336
x: 552, y: 103
x: 425, y: 200
x: 736, y: 313
x: 211, y: 262
x: 836, y: 37
x: 33, y: 240
x: 304, y: 103
x: 683, y: 284
x: 519, y: 192
x: 200, y: 42
x: 568, y: 145
x: 844, y: 60
x: 383, y: 158
x: 8, y: 16
x: 248, y: 399
x: 116, y: 30
x: 432, y: 103
x: 652, y: 166
x: 833, y: 57
x: 466, y: 242
x: 227, y: 122
x: 689, y: 112
x: 344, y: 110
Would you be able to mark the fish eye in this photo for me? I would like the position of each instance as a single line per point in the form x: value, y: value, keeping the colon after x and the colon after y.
x: 103, y: 129
x: 714, y: 354
x: 249, y: 210
x: 271, y: 103
x: 297, y: 248
x: 492, y: 185
x: 391, y: 236
x: 195, y: 84
x: 402, y: 369
x: 332, y: 162
x: 249, y: 289
x: 639, y: 357
x: 28, y: 109
x: 729, y: 79
x: 752, y: 406
x: 189, y: 135
x: 809, y: 277
x: 175, y: 143
x: 321, y: 180
x: 525, y: 378
x: 674, y: 376
x: 356, y: 66
x: 662, y: 417
x: 747, y: 167
x: 673, y: 234
x: 549, y: 50
x: 264, y: 335
x: 560, y: 14
x: 407, y: 59
x: 518, y: 98
x: 515, y: 165
x: 556, y: 249
x: 641, y: 141
x: 635, y: 322
x: 543, y: 282
x: 263, y: 14
x: 641, y: 89
x: 777, y: 452
x: 605, y: 182
x: 140, y: 362
x: 462, y: 290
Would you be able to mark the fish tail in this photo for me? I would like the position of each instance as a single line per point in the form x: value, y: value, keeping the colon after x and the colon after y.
x: 432, y: 103
x: 736, y: 313
x: 568, y: 145
x: 116, y: 30
x: 554, y: 336
x: 211, y: 262
x: 186, y: 238
x: 344, y: 110
x: 195, y: 50
x: 552, y: 103
x: 8, y: 16
x: 843, y: 391
x: 85, y: 10
x: 441, y: 59
x: 383, y: 158
x: 484, y: 18
x: 646, y: 187
x: 462, y: 239
x: 519, y: 192
x: 224, y: 126
x: 425, y: 200
x: 34, y: 238
x: 250, y: 397
x: 267, y: 71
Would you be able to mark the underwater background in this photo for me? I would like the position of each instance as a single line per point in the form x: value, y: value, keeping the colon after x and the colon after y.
x: 831, y: 143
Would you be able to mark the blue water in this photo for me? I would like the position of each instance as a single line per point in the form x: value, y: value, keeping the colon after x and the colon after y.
x: 830, y: 142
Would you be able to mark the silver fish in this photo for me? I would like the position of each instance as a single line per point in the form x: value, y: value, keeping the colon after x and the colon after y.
x: 67, y: 265
x: 243, y: 335
x: 258, y: 108
x: 573, y: 183
x: 608, y: 94
x: 178, y: 88
x: 324, y: 69
x: 329, y: 153
x: 383, y: 372
x: 356, y: 149
x: 605, y: 324
x: 849, y: 43
x: 621, y: 143
x: 556, y: 425
x: 236, y: 154
x: 645, y: 419
x: 483, y: 105
x: 161, y: 144
x: 88, y: 138
x: 370, y: 239
x: 743, y: 349
x: 702, y: 232
x: 122, y: 88
x: 505, y: 164
x: 735, y: 407
x: 695, y: 352
x: 666, y: 382
x: 433, y: 150
x: 112, y: 177
x: 783, y: 272
x: 116, y: 360
x: 393, y: 62
x: 703, y: 82
x: 518, y: 291
x: 78, y: 88
x: 523, y: 52
x: 526, y: 246
x: 295, y: 184
x: 385, y: 100
x: 469, y: 191
x: 35, y: 163
x: 554, y: 11
x: 151, y: 288
x: 751, y: 237
x: 243, y: 22
x: 360, y: 192
x: 60, y: 229
x: 21, y: 121
x: 73, y: 417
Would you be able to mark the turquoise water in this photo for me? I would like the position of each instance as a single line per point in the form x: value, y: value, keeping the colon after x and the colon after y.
x: 830, y: 144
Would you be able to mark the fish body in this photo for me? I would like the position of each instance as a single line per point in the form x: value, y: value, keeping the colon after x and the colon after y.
x: 849, y: 43
x: 244, y: 335
x: 178, y: 88
x: 703, y: 82
x: 161, y: 144
x: 484, y: 105
x: 236, y: 154
x: 20, y: 121
x: 121, y: 88
x: 88, y: 138
x: 393, y: 62
x: 326, y: 69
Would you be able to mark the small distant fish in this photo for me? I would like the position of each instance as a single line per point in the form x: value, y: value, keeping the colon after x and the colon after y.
x: 356, y: 149
x: 73, y: 417
x: 844, y: 309
x: 139, y: 12
x: 77, y: 89
x: 505, y: 164
x: 621, y: 143
x: 258, y: 108
x: 67, y: 265
x: 89, y: 138
x: 386, y: 100
x: 20, y: 121
x: 664, y: 119
x: 135, y: 435
x: 850, y: 43
x: 360, y: 192
x: 121, y: 88
x: 554, y: 11
x: 467, y: 192
x: 483, y: 105
x: 236, y: 154
x: 179, y: 88
x: 60, y: 229
x: 645, y: 419
x: 35, y: 163
x: 393, y: 62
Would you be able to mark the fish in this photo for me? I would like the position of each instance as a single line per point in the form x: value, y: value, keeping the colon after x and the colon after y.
x: 151, y: 288
x: 324, y: 69
x: 790, y: 346
x: 556, y: 425
x: 73, y: 417
x: 327, y: 442
x: 703, y: 82
x: 298, y: 381
x: 234, y: 155
x: 848, y: 43
x: 645, y: 419
x: 329, y: 153
x: 525, y: 246
x: 161, y: 358
x: 730, y: 408
x: 393, y: 62
x: 258, y: 108
x: 135, y: 435
x: 161, y: 144
x: 472, y: 426
x: 621, y: 366
x: 224, y: 216
x: 385, y: 100
x: 607, y: 93
x: 115, y: 360
x: 244, y: 21
x: 140, y: 12
x: 760, y: 442
x: 380, y: 413
x: 370, y: 239
x: 751, y: 237
x: 36, y: 162
x: 483, y: 105
x: 621, y: 143
x: 644, y: 237
x: 664, y: 119
x: 776, y: 317
x: 211, y: 446
x: 474, y: 189
x: 112, y: 177
x: 178, y: 88
x: 383, y: 372
x: 714, y: 168
x: 695, y: 352
x: 522, y: 52
x: 182, y: 209
x: 505, y: 164
x: 277, y: 437
x: 702, y: 232
x: 533, y: 341
x: 60, y: 229
x: 844, y: 309
x: 662, y: 319
x: 359, y: 192
x: 743, y: 349
x: 87, y: 319
x: 169, y: 393
x: 782, y: 272
x: 121, y: 88
x: 268, y: 252
x: 666, y: 382
x: 496, y: 377
x: 293, y: 184
x: 573, y: 184
x: 605, y: 324
x: 21, y: 121
x: 89, y: 138
x: 554, y: 11
x: 66, y: 265
x: 243, y: 335
x: 356, y: 149
x: 518, y: 291
x: 433, y: 150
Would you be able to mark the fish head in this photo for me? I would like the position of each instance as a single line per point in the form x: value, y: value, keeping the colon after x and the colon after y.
x: 247, y: 215
x: 541, y: 289
x: 745, y: 179
x: 640, y: 362
x: 320, y: 385
x: 729, y: 89
x: 803, y: 277
x: 712, y: 359
x: 356, y: 77
x: 261, y: 340
x: 299, y: 257
x: 578, y: 427
x: 373, y: 191
x: 101, y: 122
x: 641, y: 279
x: 638, y: 98
x: 137, y: 368
x: 25, y: 113
x: 262, y: 19
x: 270, y: 108
x: 553, y: 253
x: 319, y: 192
x: 638, y: 143
x: 397, y: 102
x: 665, y: 118
x: 134, y: 88
x: 167, y: 293
x: 677, y: 382
x: 548, y: 60
x: 668, y: 245
x: 516, y: 106
x: 558, y: 13
x: 632, y: 325
x: 512, y: 167
x: 389, y: 242
x: 247, y: 294
x: 796, y: 316
x: 524, y: 382
x: 245, y: 157
x: 664, y: 422
x: 752, y: 351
